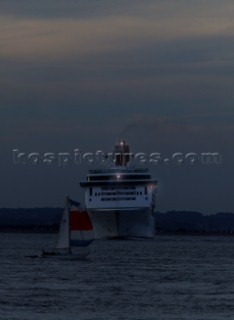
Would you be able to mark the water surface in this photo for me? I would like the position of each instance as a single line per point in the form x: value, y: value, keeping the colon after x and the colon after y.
x: 171, y: 277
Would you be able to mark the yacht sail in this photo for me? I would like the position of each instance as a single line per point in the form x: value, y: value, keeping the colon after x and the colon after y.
x: 63, y: 241
x: 76, y: 229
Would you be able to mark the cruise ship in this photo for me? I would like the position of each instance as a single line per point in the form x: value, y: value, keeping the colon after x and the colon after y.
x: 120, y: 200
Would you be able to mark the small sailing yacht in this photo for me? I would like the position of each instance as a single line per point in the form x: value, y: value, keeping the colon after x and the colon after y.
x: 75, y: 230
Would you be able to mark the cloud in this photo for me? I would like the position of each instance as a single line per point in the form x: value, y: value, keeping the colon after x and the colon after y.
x: 30, y: 38
x: 50, y: 9
x: 198, y: 125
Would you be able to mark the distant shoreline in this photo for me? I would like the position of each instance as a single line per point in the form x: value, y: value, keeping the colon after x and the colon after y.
x: 187, y: 233
x: 47, y: 220
x: 157, y: 233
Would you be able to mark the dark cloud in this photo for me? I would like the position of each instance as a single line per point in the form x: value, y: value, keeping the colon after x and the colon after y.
x: 72, y: 8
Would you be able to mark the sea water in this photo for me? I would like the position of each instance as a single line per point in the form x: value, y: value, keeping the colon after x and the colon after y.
x: 170, y: 277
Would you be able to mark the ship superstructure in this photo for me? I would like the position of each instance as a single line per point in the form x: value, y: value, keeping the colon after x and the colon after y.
x: 120, y: 200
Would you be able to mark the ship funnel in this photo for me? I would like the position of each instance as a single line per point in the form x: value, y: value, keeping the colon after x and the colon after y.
x: 121, y: 153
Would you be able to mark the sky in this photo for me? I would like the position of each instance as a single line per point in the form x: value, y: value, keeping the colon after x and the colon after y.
x: 81, y: 74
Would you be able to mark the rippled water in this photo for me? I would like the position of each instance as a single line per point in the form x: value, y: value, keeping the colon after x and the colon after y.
x: 171, y: 277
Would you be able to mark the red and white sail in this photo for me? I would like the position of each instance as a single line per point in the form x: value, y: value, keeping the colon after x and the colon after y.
x: 76, y: 229
x: 81, y: 229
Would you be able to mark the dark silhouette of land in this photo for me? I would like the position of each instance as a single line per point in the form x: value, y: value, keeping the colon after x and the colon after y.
x: 30, y: 220
x: 177, y: 222
x: 194, y: 222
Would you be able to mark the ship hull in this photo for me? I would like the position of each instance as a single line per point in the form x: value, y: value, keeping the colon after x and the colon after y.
x: 119, y: 224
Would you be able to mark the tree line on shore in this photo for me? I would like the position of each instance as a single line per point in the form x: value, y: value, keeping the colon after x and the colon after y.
x: 48, y: 220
